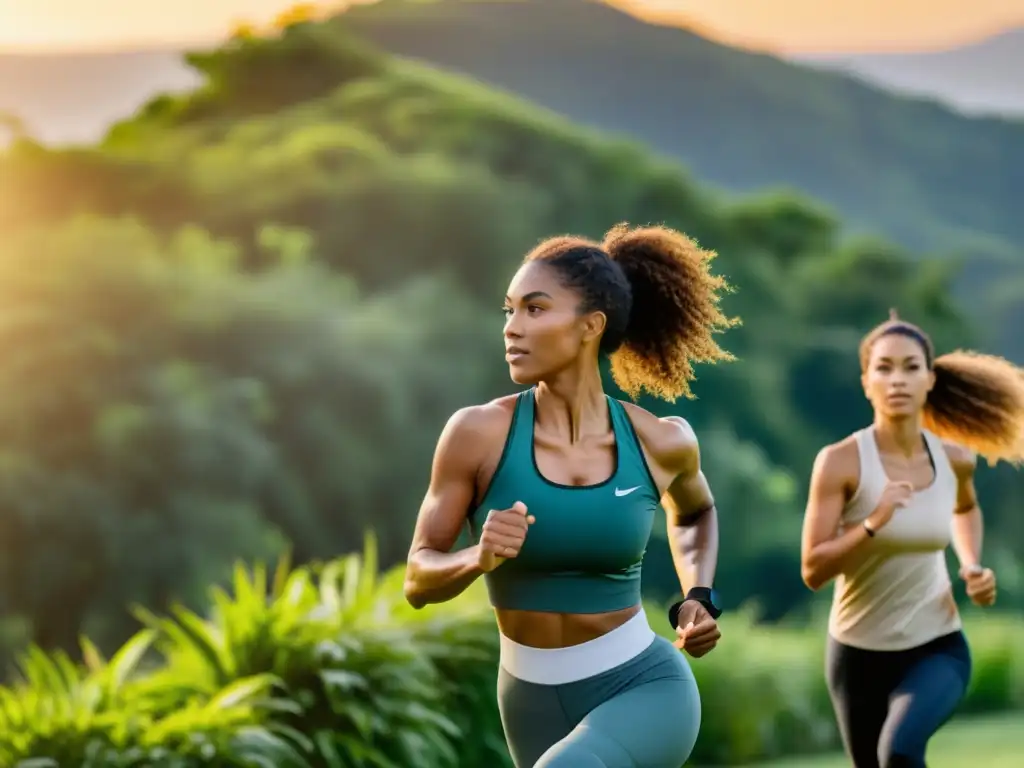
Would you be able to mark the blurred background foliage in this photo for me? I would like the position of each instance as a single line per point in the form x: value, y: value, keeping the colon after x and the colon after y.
x: 234, y: 329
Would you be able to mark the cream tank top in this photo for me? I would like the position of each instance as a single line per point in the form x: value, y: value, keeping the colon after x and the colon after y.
x: 897, y: 594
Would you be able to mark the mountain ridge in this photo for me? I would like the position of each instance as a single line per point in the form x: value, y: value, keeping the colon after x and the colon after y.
x: 975, y: 78
x: 739, y: 120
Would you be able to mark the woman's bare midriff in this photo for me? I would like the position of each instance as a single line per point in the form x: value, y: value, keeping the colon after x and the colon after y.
x: 560, y: 630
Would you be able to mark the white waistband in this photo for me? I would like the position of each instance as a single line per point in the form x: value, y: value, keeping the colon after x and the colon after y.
x: 555, y: 666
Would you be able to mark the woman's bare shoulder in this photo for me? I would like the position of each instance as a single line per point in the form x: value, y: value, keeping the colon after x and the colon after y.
x: 838, y: 463
x: 476, y: 428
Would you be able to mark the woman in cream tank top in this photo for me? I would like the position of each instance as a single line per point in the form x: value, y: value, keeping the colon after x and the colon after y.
x: 884, y: 505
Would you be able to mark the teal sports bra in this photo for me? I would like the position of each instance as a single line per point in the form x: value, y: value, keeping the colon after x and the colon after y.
x: 583, y: 553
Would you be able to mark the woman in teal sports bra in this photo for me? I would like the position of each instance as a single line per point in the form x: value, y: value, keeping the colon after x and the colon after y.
x: 559, y: 485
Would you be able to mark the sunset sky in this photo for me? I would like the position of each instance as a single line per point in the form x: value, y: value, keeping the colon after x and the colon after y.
x: 781, y: 25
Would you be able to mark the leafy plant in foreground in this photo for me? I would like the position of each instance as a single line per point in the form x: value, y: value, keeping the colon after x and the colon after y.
x: 364, y: 680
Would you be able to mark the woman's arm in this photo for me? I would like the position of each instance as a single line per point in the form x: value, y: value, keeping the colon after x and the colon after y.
x: 968, y: 529
x: 690, y: 513
x: 823, y: 555
x: 435, y: 574
x: 692, y: 522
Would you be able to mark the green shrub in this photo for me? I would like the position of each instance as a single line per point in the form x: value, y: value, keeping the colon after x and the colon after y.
x: 763, y: 691
x: 363, y: 677
x: 328, y: 666
x: 317, y: 666
x: 997, y: 651
x: 62, y: 715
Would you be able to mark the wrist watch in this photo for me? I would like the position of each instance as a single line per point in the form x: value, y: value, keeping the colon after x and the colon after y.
x: 706, y: 596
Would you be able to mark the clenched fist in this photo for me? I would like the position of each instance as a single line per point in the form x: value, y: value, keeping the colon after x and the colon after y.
x: 502, y: 535
x: 894, y: 496
x: 981, y: 585
x: 697, y: 633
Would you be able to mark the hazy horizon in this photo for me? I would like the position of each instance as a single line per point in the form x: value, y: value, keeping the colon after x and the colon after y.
x: 784, y: 26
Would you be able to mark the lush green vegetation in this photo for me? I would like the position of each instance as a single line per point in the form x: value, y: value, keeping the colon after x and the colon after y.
x: 907, y: 167
x: 236, y: 328
x: 997, y: 740
x: 911, y: 169
x: 316, y: 666
x: 326, y: 665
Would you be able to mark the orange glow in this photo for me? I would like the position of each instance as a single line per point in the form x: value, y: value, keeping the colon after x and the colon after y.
x: 782, y: 25
x: 835, y: 25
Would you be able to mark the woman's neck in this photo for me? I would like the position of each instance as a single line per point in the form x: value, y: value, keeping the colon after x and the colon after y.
x: 573, y: 404
x: 901, y: 436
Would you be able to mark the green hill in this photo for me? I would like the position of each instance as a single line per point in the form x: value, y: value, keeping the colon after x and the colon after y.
x: 909, y: 168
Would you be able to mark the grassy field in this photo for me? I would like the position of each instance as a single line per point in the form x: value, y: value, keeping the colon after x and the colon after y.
x: 995, y: 742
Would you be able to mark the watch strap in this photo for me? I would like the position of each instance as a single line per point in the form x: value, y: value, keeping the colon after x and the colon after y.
x: 702, y: 595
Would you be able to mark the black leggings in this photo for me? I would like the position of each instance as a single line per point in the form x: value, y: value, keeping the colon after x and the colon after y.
x: 889, y: 703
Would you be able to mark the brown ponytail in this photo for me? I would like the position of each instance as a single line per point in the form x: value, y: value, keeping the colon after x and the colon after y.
x: 977, y: 400
x: 660, y: 299
x: 675, y: 311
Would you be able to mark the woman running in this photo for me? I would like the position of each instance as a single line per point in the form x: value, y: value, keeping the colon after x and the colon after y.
x: 560, y: 484
x: 884, y: 504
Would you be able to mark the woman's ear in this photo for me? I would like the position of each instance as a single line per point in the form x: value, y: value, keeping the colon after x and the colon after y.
x: 594, y: 324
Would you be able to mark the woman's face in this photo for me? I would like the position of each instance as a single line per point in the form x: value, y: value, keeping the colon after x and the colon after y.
x: 544, y: 331
x: 897, y: 380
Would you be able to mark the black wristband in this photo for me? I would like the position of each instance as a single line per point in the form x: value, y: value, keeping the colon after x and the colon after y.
x: 868, y: 530
x: 673, y: 614
x: 702, y: 595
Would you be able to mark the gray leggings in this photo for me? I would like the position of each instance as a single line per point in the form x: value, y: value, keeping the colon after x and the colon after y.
x: 642, y: 714
x: 890, y: 703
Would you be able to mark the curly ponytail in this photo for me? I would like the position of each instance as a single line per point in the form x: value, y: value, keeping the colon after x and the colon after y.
x: 675, y: 310
x: 660, y: 299
x: 977, y: 400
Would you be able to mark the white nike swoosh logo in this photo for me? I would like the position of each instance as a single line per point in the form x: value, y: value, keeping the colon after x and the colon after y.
x: 626, y: 492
